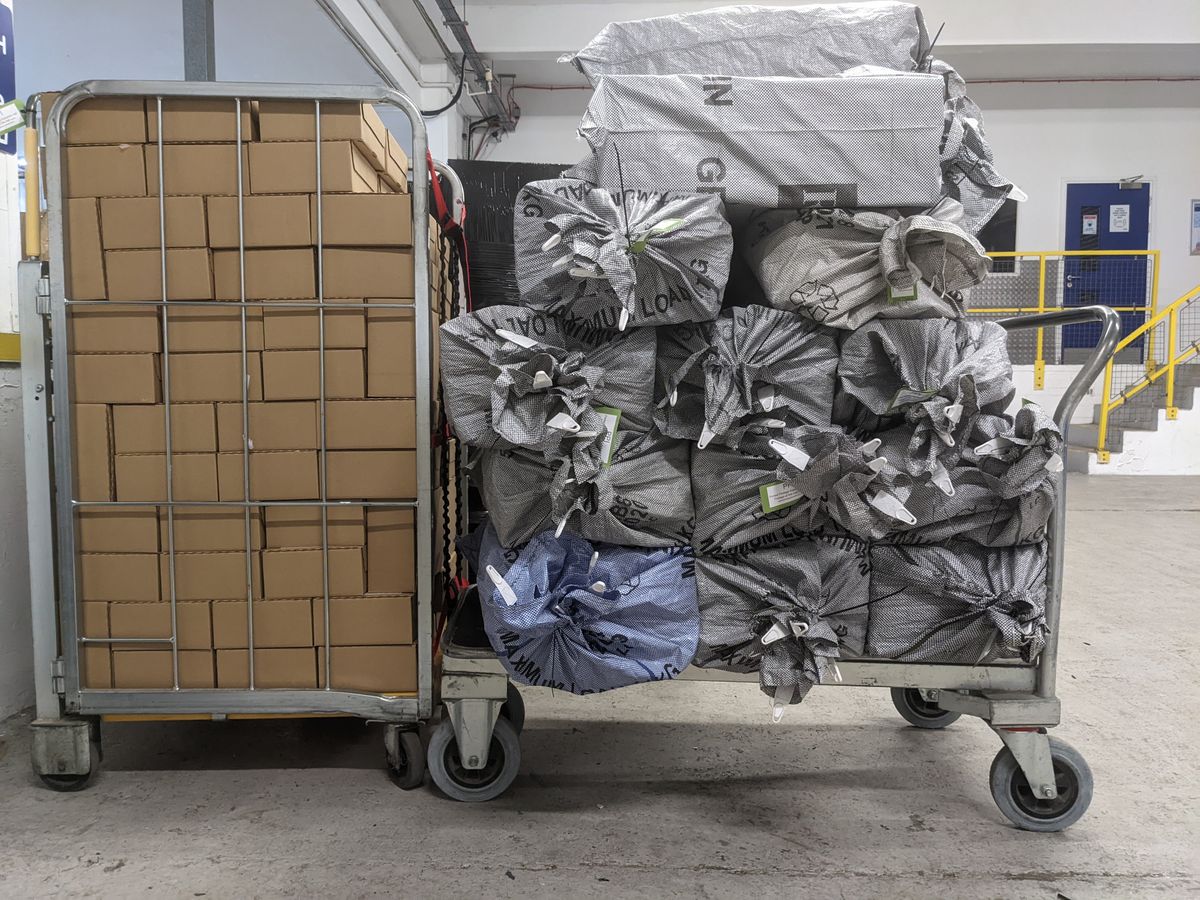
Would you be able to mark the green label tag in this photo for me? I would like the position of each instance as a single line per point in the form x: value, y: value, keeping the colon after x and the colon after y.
x: 899, y: 295
x: 779, y: 495
x: 12, y: 116
x: 612, y: 418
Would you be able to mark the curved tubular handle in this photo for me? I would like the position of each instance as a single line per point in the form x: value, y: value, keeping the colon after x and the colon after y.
x: 1110, y: 333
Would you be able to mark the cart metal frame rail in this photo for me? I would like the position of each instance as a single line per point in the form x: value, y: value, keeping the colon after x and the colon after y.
x: 65, y: 724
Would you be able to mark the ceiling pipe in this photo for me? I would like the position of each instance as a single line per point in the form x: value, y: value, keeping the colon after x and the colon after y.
x: 489, y: 102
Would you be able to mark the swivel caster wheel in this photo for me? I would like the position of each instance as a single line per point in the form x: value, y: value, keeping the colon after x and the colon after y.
x: 919, y: 711
x: 1014, y: 796
x: 514, y: 708
x: 474, y: 785
x: 66, y: 784
x: 405, y: 758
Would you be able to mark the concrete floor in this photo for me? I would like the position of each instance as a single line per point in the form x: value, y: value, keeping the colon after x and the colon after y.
x: 680, y: 789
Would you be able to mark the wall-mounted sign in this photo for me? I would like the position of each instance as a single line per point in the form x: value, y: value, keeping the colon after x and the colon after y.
x: 1118, y: 218
x: 1194, y: 244
x: 1090, y: 222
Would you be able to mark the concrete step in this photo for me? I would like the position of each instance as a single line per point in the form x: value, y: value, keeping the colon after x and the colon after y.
x: 1079, y: 459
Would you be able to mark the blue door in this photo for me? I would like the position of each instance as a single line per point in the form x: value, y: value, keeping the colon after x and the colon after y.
x: 1106, y: 217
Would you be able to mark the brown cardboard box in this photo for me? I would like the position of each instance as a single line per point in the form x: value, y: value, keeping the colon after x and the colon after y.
x: 298, y: 573
x: 368, y: 273
x: 270, y: 274
x: 353, y: 621
x: 396, y: 170
x: 273, y: 426
x: 149, y: 669
x: 110, y: 171
x: 137, y: 274
x: 143, y: 477
x: 93, y: 452
x: 277, y: 623
x: 391, y: 342
x: 371, y: 474
x: 131, y: 223
x: 119, y: 577
x: 101, y: 120
x: 115, y: 378
x: 272, y: 221
x: 94, y: 620
x: 210, y: 329
x: 274, y: 667
x: 97, y: 667
x: 291, y: 168
x: 300, y: 526
x: 197, y: 120
x: 193, y: 624
x: 274, y: 475
x: 211, y: 529
x: 142, y: 429
x: 291, y: 120
x: 85, y: 269
x: 296, y: 375
x: 370, y: 424
x: 214, y: 377
x: 196, y: 169
x: 364, y: 220
x: 391, y: 552
x: 115, y: 329
x: 378, y: 670
x: 121, y: 529
x: 210, y: 576
x: 298, y: 329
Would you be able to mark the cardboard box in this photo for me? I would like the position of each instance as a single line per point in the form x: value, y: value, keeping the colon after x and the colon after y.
x: 211, y: 329
x: 391, y: 345
x: 131, y: 223
x: 137, y: 274
x: 197, y: 120
x: 196, y: 169
x: 376, y: 670
x: 93, y: 620
x: 391, y: 552
x: 370, y: 424
x: 210, y: 576
x: 214, y: 377
x: 353, y: 621
x: 300, y: 526
x: 364, y: 220
x: 109, y: 171
x: 115, y: 378
x: 368, y: 273
x: 296, y: 375
x: 193, y: 624
x: 85, y: 258
x: 298, y: 573
x: 120, y: 529
x: 101, y: 120
x: 93, y: 452
x: 272, y: 221
x: 277, y: 623
x: 292, y: 120
x: 270, y: 274
x: 143, y: 477
x: 298, y: 329
x: 274, y: 667
x: 118, y: 577
x: 273, y: 426
x: 148, y: 669
x: 274, y: 475
x: 210, y: 529
x: 371, y: 474
x: 291, y: 168
x: 115, y: 329
x: 96, y: 665
x: 396, y: 168
x: 142, y: 429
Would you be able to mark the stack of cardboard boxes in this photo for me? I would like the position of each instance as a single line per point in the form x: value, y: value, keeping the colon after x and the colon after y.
x: 121, y: 377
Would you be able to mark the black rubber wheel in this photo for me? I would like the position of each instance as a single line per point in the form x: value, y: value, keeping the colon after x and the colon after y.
x: 406, y: 765
x: 514, y: 708
x: 1014, y: 796
x: 918, y: 711
x: 66, y: 784
x: 474, y: 786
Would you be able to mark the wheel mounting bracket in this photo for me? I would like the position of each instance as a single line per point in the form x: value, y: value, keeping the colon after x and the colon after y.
x: 1031, y: 749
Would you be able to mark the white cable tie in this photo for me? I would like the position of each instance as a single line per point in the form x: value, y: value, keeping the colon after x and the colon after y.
x: 947, y: 439
x: 799, y: 629
x: 793, y: 456
x: 542, y: 380
x: 586, y: 434
x: 553, y: 241
x: 563, y: 261
x: 519, y: 339
x: 599, y: 587
x: 766, y: 397
x: 878, y: 464
x: 941, y: 480
x: 995, y: 445
x: 1054, y: 464
x: 771, y: 423
x: 592, y: 562
x: 673, y: 399
x: 562, y: 524
x: 781, y: 701
x: 706, y: 436
x: 775, y: 633
x: 871, y: 446
x: 584, y: 272
x: 505, y: 589
x: 624, y: 319
x: 890, y: 505
x: 563, y: 422
x: 954, y: 412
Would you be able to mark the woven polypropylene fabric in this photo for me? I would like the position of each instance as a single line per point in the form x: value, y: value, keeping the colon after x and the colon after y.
x: 844, y: 268
x: 770, y: 142
x: 676, y: 273
x: 757, y: 363
x: 585, y: 624
x: 957, y: 603
x: 759, y: 40
x: 819, y: 584
x: 1023, y: 455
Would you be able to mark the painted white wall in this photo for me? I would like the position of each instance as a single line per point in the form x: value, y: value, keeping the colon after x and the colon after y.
x: 1171, y: 450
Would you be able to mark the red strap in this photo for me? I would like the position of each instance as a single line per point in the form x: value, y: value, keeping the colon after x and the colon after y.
x: 455, y: 230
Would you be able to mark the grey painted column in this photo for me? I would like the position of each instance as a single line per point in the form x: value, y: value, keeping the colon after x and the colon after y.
x: 199, y: 47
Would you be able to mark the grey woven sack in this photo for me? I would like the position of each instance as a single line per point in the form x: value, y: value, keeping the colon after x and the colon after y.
x: 759, y: 363
x: 957, y: 603
x: 642, y: 257
x: 843, y: 268
x: 822, y: 39
x: 1022, y: 454
x: 787, y: 612
x: 769, y: 141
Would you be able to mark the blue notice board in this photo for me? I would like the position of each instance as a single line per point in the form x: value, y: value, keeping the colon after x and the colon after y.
x: 8, y: 74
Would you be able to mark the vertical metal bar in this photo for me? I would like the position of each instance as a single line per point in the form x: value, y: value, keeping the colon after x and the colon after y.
x: 1172, y: 343
x: 166, y: 381
x: 321, y: 358
x: 245, y: 407
x: 199, y: 44
x: 1102, y: 428
x: 1151, y: 353
x: 1039, y: 362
